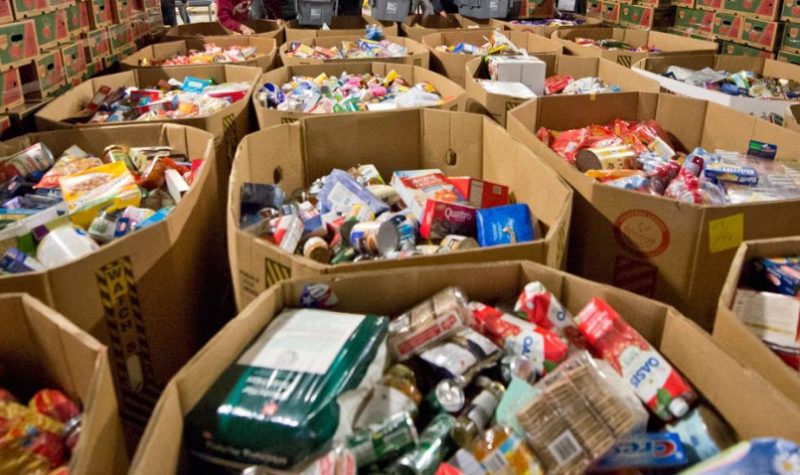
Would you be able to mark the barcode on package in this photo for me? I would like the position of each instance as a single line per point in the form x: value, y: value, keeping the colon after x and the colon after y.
x: 564, y: 448
x: 495, y: 463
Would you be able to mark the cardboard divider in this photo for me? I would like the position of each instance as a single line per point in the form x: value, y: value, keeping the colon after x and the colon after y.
x: 454, y: 65
x: 266, y: 51
x: 498, y: 105
x: 710, y: 370
x: 41, y: 349
x: 666, y: 43
x: 547, y: 31
x: 772, y: 110
x: 455, y: 95
x: 653, y: 245
x: 339, y: 26
x: 264, y: 28
x: 732, y: 335
x: 153, y: 296
x: 418, y: 54
x: 457, y: 143
x: 417, y: 26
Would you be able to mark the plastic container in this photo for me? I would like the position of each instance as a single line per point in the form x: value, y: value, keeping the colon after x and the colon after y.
x: 315, y: 12
x: 484, y: 9
x: 391, y: 10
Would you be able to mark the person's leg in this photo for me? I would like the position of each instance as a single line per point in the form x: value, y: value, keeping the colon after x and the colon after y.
x: 168, y: 12
x: 181, y: 4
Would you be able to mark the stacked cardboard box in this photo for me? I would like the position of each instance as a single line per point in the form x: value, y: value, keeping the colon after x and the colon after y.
x: 642, y: 14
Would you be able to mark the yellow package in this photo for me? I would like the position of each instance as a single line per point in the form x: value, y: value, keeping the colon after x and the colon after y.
x: 90, y: 191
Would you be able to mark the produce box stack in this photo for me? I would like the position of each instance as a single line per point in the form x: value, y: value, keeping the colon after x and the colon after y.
x: 642, y: 14
x: 790, y: 44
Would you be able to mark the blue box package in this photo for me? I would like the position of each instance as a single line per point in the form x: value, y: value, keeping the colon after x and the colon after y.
x: 779, y: 274
x: 646, y: 451
x: 505, y: 225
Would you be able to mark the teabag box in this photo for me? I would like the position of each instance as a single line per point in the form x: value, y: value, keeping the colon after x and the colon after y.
x: 527, y: 70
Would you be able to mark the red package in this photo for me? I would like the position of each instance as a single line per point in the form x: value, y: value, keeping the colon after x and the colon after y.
x: 55, y: 404
x: 480, y: 193
x: 441, y: 218
x: 556, y: 83
x: 447, y: 469
x: 684, y: 188
x: 644, y: 369
x: 543, y: 347
x: 543, y: 309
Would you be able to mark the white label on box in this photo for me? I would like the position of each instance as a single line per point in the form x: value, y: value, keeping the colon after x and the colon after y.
x: 772, y: 317
x: 391, y: 8
x: 307, y: 341
x: 176, y: 185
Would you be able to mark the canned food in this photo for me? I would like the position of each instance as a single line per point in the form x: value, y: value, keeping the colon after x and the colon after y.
x: 617, y: 157
x: 381, y: 442
x: 375, y: 238
x: 454, y: 242
x: 317, y: 249
x: 36, y: 158
x: 434, y: 445
x: 447, y: 397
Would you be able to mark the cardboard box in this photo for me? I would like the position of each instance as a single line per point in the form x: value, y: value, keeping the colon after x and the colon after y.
x: 29, y: 8
x: 42, y: 349
x: 610, y: 13
x: 155, y: 18
x: 763, y: 9
x: 455, y: 94
x: 265, y: 28
x: 728, y: 26
x: 792, y: 115
x: 228, y: 125
x: 594, y: 9
x: 713, y: 5
x: 10, y: 90
x: 44, y: 77
x: 646, y: 17
x: 454, y: 65
x: 459, y: 144
x: 266, y: 50
x: 788, y: 57
x: 51, y: 29
x: 417, y: 26
x: 141, y: 27
x: 731, y: 48
x: 418, y: 54
x: 78, y: 18
x: 791, y: 37
x: 653, y: 245
x: 701, y: 20
x: 18, y: 45
x: 771, y: 110
x: 684, y: 3
x: 340, y: 26
x: 668, y: 44
x: 791, y: 10
x: 691, y: 33
x: 93, y: 68
x: 153, y: 296
x: 74, y: 55
x: 101, y: 14
x: 498, y: 105
x: 5, y: 125
x: 61, y: 3
x: 6, y: 13
x: 732, y: 335
x: 762, y: 34
x: 756, y: 411
x: 98, y: 45
x: 120, y: 37
x: 122, y: 10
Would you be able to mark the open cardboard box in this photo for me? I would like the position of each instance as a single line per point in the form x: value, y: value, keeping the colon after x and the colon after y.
x: 732, y: 335
x: 498, y: 105
x: 228, y: 125
x: 40, y: 349
x: 418, y: 54
x: 339, y: 26
x: 454, y: 97
x: 666, y: 43
x: 546, y: 31
x: 417, y: 26
x: 653, y: 245
x: 791, y: 117
x: 460, y: 144
x: 454, y: 65
x: 265, y: 28
x: 768, y: 109
x: 266, y: 51
x: 153, y: 296
x: 740, y: 395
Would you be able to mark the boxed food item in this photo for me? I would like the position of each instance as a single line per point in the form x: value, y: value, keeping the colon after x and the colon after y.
x: 339, y: 26
x: 391, y: 49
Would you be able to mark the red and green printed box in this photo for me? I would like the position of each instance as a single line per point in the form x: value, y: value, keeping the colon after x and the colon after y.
x: 712, y: 5
x: 611, y: 12
x: 761, y: 33
x: 763, y: 9
x: 100, y: 14
x: 646, y: 18
x: 120, y: 36
x: 29, y: 8
x: 46, y: 72
x: 737, y: 49
x: 789, y: 57
x: 791, y: 10
x: 123, y: 10
x: 701, y: 20
x: 51, y: 28
x: 728, y: 26
x: 6, y: 14
x: 10, y: 90
x: 594, y: 9
x: 74, y: 57
x: 78, y: 19
x: 97, y: 45
x: 18, y: 43
x: 684, y: 3
x: 791, y: 37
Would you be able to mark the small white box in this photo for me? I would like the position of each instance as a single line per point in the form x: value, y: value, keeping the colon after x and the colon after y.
x: 528, y: 70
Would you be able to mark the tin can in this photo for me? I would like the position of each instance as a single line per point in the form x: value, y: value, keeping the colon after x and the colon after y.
x: 381, y: 442
x: 447, y: 396
x: 617, y: 157
x: 454, y: 242
x: 317, y: 249
x: 434, y: 445
x: 36, y: 158
x: 375, y: 238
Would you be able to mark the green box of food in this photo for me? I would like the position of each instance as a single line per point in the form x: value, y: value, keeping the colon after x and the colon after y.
x: 594, y: 9
x: 30, y: 8
x: 10, y: 90
x: 761, y: 34
x: 791, y: 37
x: 98, y: 45
x: 77, y: 18
x: 74, y: 57
x: 791, y: 10
x: 100, y: 13
x: 646, y: 17
x: 728, y: 26
x: 763, y: 9
x: 120, y: 36
x: 789, y: 57
x: 701, y: 20
x: 737, y: 49
x: 51, y: 28
x: 18, y: 43
x: 610, y: 12
x: 44, y: 77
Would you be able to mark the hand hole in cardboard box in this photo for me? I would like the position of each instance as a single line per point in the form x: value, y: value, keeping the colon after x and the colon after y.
x: 451, y: 158
x: 277, y: 175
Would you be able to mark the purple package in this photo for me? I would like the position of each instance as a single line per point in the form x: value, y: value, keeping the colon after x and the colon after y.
x: 340, y: 192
